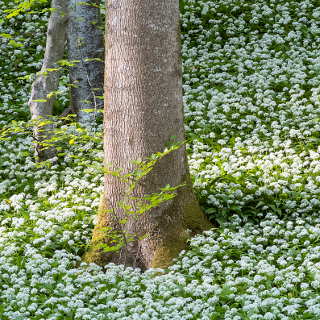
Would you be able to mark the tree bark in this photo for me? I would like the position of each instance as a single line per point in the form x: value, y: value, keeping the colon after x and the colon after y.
x: 143, y: 112
x: 86, y: 48
x: 47, y: 81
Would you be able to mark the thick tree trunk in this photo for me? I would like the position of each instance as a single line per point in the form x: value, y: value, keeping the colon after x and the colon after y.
x: 85, y: 45
x: 47, y: 81
x: 143, y: 112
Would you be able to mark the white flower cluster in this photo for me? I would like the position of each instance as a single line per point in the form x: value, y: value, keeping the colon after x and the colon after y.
x: 252, y: 85
x: 251, y: 95
x: 22, y: 41
x: 243, y: 271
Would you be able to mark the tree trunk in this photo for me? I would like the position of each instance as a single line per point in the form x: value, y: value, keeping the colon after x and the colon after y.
x: 85, y: 47
x: 47, y: 81
x: 143, y: 112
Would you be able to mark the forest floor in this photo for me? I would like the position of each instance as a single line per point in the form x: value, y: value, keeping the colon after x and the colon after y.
x: 252, y: 106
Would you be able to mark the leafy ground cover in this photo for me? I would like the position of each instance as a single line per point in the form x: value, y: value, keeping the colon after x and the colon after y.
x: 252, y: 104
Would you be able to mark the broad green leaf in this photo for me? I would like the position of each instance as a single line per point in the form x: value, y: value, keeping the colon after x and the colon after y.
x: 39, y: 100
x: 15, y: 44
x: 6, y: 35
x: 68, y: 63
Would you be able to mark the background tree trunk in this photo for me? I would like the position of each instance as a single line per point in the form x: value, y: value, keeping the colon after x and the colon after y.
x: 47, y: 81
x: 143, y: 112
x: 85, y: 45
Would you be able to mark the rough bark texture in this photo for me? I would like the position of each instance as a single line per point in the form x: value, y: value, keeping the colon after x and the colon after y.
x: 47, y: 81
x: 143, y: 111
x: 85, y: 45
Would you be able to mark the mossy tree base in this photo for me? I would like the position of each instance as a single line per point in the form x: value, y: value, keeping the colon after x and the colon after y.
x: 167, y: 237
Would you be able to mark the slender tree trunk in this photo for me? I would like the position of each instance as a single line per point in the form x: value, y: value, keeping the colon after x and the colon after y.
x: 47, y: 81
x: 85, y: 47
x: 143, y: 111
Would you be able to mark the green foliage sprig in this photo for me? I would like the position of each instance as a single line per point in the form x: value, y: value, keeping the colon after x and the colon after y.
x: 23, y: 6
x: 135, y: 206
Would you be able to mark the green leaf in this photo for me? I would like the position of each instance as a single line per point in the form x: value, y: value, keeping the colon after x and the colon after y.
x: 26, y: 77
x: 93, y: 59
x: 39, y: 100
x: 68, y: 63
x: 52, y: 94
x: 43, y: 123
x: 88, y: 4
x: 52, y: 69
x: 15, y: 44
x: 6, y: 35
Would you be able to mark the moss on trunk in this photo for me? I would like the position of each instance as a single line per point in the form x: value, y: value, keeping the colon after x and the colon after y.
x: 95, y: 253
x: 170, y: 240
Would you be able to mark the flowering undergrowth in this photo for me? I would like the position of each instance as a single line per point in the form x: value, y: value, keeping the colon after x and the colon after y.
x: 252, y: 105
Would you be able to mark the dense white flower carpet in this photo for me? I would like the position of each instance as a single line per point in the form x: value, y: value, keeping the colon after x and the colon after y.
x: 252, y: 105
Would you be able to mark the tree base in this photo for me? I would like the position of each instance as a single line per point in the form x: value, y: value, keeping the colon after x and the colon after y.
x: 163, y: 244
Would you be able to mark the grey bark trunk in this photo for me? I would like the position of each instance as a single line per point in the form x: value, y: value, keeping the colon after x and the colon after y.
x: 47, y: 82
x: 143, y: 111
x: 85, y: 45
